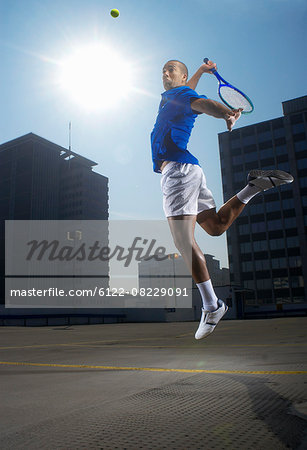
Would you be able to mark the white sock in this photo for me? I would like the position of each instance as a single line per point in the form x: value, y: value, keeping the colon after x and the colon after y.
x: 208, y: 295
x: 248, y: 193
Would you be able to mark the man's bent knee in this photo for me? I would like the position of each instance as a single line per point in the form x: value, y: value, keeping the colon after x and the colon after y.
x: 215, y: 231
x: 211, y: 222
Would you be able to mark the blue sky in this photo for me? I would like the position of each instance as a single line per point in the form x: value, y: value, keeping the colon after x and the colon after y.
x: 258, y: 46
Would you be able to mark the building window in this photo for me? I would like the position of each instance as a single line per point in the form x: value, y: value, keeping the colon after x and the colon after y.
x: 248, y: 140
x: 262, y: 264
x: 296, y: 118
x: 282, y: 158
x: 266, y: 153
x: 276, y: 244
x: 279, y: 263
x: 268, y: 164
x: 287, y: 203
x: 274, y: 225
x: 247, y: 266
x: 238, y: 159
x: 295, y: 261
x: 297, y: 282
x: 290, y: 222
x: 239, y: 177
x: 243, y: 229
x: 281, y: 282
x: 281, y: 150
x: 264, y: 284
x: 272, y: 206
x: 260, y: 246
x: 293, y: 241
x: 264, y: 136
x: 249, y: 284
x: 298, y: 128
x: 286, y: 191
x: 262, y: 127
x: 245, y: 247
x: 284, y: 166
x: 249, y: 157
x: 257, y: 218
x: 257, y: 208
x: 258, y: 227
x: 300, y: 146
x: 279, y: 132
x: 302, y: 163
x: 303, y: 182
x: 299, y: 137
x: 235, y: 143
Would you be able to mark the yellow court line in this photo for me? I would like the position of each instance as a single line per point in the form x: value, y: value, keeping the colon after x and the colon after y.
x: 157, y: 369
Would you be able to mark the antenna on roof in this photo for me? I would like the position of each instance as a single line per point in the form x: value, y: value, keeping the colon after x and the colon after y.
x: 69, y: 147
x: 70, y: 136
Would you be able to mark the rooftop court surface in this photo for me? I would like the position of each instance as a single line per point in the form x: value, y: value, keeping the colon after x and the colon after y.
x: 153, y: 386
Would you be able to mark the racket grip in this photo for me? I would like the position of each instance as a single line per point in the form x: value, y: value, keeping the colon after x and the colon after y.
x: 206, y: 60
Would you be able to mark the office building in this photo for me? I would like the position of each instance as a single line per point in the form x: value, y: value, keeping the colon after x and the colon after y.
x: 44, y: 181
x: 267, y: 243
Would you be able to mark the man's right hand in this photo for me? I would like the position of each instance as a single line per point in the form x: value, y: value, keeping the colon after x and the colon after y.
x: 204, y: 68
x: 207, y: 68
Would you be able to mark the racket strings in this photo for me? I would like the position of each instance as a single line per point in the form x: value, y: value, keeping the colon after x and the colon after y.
x: 235, y: 99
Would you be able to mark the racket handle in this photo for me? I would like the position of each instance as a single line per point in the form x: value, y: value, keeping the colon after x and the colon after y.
x: 206, y: 60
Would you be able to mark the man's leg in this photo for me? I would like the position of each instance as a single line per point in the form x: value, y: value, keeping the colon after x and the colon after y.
x: 182, y: 229
x: 216, y: 223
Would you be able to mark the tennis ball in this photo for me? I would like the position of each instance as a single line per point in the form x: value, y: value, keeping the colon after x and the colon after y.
x: 114, y: 13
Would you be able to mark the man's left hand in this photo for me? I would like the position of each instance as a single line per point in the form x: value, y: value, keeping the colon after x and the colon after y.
x: 232, y: 117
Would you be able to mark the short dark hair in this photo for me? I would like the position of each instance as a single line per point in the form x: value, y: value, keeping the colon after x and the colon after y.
x: 182, y: 66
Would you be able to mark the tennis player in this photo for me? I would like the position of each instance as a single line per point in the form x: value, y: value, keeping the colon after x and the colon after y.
x: 186, y: 197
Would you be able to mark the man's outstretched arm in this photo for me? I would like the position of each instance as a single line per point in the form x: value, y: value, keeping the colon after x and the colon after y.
x: 216, y: 109
x: 204, y: 68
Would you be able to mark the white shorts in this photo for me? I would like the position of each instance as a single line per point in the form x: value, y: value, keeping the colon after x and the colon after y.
x: 185, y: 190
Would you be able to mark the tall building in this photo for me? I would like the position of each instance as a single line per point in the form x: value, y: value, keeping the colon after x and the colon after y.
x: 219, y: 276
x: 267, y: 243
x: 44, y: 181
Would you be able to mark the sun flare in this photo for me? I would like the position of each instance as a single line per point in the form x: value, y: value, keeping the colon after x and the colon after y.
x: 96, y: 77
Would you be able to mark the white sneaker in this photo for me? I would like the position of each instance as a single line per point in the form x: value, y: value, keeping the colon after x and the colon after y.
x: 267, y: 179
x: 210, y: 319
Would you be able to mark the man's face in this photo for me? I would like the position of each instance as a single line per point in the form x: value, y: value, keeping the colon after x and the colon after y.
x: 172, y: 75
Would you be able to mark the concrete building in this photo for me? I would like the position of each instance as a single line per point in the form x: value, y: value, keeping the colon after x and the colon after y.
x: 267, y: 243
x: 219, y: 276
x: 44, y: 181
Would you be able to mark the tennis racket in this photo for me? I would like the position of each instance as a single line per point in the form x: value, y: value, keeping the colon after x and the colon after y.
x: 230, y: 95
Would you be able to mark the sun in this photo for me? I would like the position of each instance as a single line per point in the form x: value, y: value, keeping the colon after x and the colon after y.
x: 96, y: 77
